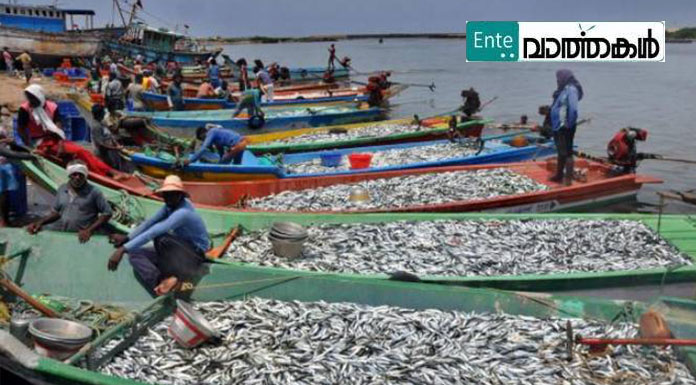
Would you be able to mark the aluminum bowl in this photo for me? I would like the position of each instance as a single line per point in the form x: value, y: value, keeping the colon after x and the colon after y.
x: 285, y: 248
x: 59, y: 334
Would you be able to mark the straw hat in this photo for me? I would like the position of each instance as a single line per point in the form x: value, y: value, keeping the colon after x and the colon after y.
x: 171, y: 183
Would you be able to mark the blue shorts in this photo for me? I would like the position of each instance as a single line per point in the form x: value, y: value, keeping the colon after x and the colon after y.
x: 8, y: 181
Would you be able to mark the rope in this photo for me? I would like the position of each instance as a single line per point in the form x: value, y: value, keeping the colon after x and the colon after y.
x: 127, y: 209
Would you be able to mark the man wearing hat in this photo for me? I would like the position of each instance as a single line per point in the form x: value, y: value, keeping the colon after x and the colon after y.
x: 180, y: 241
x: 79, y: 206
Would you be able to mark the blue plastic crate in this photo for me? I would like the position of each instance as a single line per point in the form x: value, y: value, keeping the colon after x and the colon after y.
x: 48, y: 72
x: 331, y: 159
x: 68, y: 109
x: 79, y: 130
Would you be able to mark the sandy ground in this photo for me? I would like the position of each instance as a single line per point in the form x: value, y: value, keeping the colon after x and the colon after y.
x: 11, y: 95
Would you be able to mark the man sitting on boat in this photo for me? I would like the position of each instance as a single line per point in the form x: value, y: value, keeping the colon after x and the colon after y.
x: 472, y: 104
x: 205, y: 90
x: 180, y: 240
x: 79, y: 206
x: 227, y: 143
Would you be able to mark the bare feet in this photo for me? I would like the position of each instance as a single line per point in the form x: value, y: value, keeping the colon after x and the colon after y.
x: 167, y: 285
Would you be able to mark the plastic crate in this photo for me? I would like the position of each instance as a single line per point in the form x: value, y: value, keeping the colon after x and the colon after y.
x: 79, y: 130
x: 48, y: 72
x: 331, y: 159
x: 68, y: 109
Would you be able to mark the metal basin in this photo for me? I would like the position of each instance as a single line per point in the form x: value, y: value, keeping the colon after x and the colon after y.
x: 285, y: 248
x: 59, y: 338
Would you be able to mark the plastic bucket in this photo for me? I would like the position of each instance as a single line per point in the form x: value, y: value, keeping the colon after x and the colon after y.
x: 358, y: 161
x: 188, y: 327
x: 331, y: 159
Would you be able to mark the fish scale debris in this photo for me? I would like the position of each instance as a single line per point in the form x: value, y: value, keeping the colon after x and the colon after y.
x: 377, y: 130
x: 393, y: 157
x: 432, y: 188
x: 471, y: 247
x: 275, y: 342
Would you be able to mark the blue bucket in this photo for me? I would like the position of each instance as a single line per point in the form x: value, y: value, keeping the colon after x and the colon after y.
x: 331, y: 159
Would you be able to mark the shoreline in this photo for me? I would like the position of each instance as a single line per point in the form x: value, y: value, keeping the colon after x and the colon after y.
x: 326, y: 38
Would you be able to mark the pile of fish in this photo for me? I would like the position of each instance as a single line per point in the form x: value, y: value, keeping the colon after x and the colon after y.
x: 290, y: 112
x: 375, y: 130
x: 274, y: 342
x: 471, y: 247
x: 393, y: 157
x: 432, y: 188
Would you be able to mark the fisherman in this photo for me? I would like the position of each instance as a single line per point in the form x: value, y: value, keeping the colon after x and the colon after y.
x: 265, y: 82
x: 228, y: 143
x: 150, y: 83
x: 214, y: 72
x: 175, y: 93
x: 79, y: 206
x: 345, y: 62
x: 545, y: 130
x: 206, y: 90
x: 25, y: 59
x: 564, y: 117
x: 9, y: 61
x: 332, y: 57
x: 223, y: 92
x: 179, y: 237
x: 472, y: 104
x: 38, y: 122
x: 134, y: 93
x: 243, y: 75
x: 105, y: 139
x: 622, y: 149
x: 251, y: 101
x: 274, y: 71
x: 375, y: 87
x: 8, y: 180
x: 95, y: 82
x: 284, y: 75
x: 113, y: 95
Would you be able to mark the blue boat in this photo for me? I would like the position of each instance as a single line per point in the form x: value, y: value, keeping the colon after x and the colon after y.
x: 157, y: 102
x: 275, y: 118
x: 496, y: 149
x: 159, y: 44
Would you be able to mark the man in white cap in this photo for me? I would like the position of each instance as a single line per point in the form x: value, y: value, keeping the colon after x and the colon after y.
x: 79, y: 206
x: 38, y: 118
x: 179, y: 237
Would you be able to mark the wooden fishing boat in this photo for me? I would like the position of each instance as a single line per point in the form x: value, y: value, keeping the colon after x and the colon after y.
x: 494, y: 150
x: 36, y: 261
x: 49, y: 49
x: 429, y: 130
x: 158, y: 44
x: 275, y: 118
x: 158, y: 102
x: 293, y: 91
x: 678, y: 230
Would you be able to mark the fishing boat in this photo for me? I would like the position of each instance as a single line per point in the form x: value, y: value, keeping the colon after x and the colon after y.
x: 158, y: 102
x: 299, y: 165
x: 42, y: 32
x: 34, y: 262
x: 678, y: 230
x: 275, y: 118
x: 158, y: 44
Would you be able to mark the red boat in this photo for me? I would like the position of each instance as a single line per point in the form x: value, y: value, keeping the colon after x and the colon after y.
x: 599, y: 188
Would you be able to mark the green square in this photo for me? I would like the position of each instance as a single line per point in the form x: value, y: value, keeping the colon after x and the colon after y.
x: 492, y: 40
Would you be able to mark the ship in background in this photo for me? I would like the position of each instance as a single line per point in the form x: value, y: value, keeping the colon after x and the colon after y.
x: 48, y: 33
x: 155, y: 44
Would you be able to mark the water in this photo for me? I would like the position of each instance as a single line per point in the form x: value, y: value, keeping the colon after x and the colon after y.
x: 655, y: 96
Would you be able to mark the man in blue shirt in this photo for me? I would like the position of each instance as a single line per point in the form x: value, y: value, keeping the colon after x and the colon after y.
x: 214, y: 73
x: 564, y: 117
x: 175, y: 93
x: 180, y: 241
x: 227, y: 143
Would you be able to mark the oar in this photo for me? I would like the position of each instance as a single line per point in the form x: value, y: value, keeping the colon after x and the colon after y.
x: 667, y: 159
x: 430, y: 86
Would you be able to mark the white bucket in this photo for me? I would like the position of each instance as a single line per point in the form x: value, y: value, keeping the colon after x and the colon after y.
x: 188, y: 327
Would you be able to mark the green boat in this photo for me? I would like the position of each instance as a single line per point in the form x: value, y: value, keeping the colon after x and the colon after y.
x: 36, y: 262
x: 422, y: 135
x: 678, y: 230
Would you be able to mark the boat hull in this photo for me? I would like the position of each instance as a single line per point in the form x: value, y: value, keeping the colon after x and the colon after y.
x: 49, y: 49
x: 152, y: 54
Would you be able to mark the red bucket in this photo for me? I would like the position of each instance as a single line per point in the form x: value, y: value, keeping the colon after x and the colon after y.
x: 188, y: 327
x: 358, y: 161
x: 97, y: 98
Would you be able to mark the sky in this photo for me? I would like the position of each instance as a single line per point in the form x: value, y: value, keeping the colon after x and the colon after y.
x: 312, y: 17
